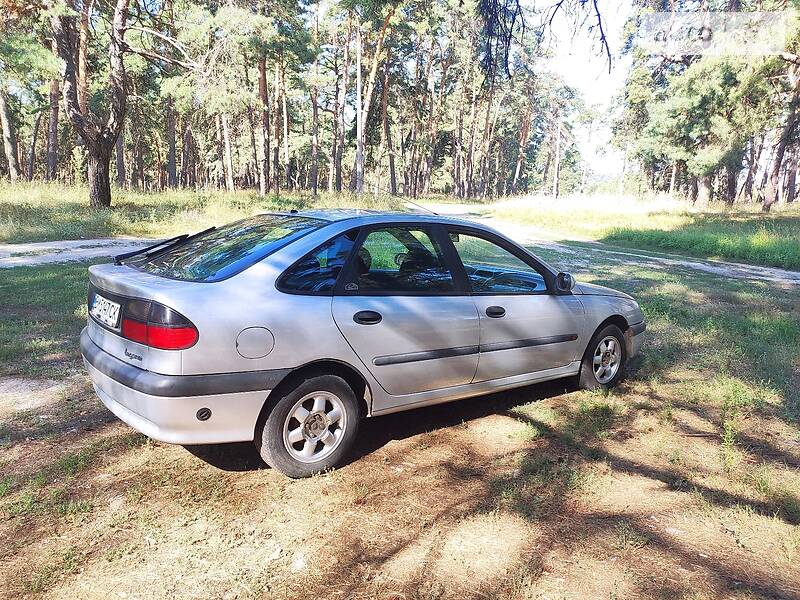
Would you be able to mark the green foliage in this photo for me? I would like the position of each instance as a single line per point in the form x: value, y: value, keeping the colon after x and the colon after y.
x: 705, y: 120
x: 704, y: 115
x: 24, y: 61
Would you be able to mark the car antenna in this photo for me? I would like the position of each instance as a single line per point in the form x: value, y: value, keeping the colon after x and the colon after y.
x: 433, y: 212
x: 396, y: 195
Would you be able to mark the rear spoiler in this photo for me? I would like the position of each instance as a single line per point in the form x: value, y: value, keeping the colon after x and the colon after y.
x: 164, y: 244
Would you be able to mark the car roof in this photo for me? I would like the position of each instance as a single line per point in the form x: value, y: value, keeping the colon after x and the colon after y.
x: 370, y: 217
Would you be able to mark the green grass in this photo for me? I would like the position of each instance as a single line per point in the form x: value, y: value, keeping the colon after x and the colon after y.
x: 741, y: 233
x: 44, y: 310
x: 6, y: 483
x: 40, y: 212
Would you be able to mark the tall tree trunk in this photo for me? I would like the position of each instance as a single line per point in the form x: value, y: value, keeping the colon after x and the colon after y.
x: 791, y: 176
x: 286, y: 159
x: 276, y: 173
x: 334, y: 119
x: 52, y: 132
x: 315, y: 108
x: 341, y: 101
x: 469, y: 187
x: 120, y: 158
x: 135, y: 162
x: 263, y: 136
x: 220, y: 174
x: 253, y: 175
x: 172, y: 165
x: 359, y: 171
x: 705, y: 192
x: 731, y: 175
x: 100, y: 138
x: 524, y: 133
x: 226, y: 136
x: 673, y: 177
x: 752, y: 168
x: 437, y: 110
x: 485, y: 140
x: 99, y: 180
x: 458, y: 139
x: 32, y: 150
x: 138, y: 167
x: 188, y: 178
x: 771, y: 190
x: 9, y: 138
x: 694, y: 189
x: 332, y: 155
x: 83, y: 57
x: 557, y: 157
x: 376, y: 59
x: 387, y: 131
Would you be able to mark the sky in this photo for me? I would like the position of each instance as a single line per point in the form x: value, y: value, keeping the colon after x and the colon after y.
x: 576, y: 56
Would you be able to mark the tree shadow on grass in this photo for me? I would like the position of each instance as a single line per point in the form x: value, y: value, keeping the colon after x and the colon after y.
x: 546, y: 491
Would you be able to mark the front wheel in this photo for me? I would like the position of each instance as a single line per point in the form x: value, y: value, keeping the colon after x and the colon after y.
x: 311, y: 428
x: 604, y: 360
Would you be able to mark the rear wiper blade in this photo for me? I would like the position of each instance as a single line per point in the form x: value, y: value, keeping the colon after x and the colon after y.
x: 120, y: 257
x: 162, y: 247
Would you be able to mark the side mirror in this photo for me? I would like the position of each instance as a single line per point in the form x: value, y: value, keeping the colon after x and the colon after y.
x: 565, y: 283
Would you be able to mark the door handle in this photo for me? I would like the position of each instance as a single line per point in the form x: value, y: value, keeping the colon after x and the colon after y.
x: 495, y: 312
x: 367, y: 317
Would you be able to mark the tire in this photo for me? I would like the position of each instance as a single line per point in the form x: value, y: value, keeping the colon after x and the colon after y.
x: 311, y: 428
x: 603, y: 376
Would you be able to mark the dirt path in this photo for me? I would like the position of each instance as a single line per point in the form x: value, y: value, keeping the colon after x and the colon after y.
x: 41, y: 253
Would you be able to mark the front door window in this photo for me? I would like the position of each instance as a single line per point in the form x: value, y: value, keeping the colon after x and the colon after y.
x: 492, y: 269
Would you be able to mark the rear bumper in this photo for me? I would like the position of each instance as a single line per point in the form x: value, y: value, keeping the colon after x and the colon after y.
x: 165, y: 407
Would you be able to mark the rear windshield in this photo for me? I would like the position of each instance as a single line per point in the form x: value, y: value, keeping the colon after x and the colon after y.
x: 229, y: 250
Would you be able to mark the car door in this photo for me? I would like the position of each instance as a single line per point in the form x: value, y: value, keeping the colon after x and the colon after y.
x: 524, y: 326
x: 404, y: 313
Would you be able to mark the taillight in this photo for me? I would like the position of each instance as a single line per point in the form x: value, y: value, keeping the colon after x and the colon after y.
x: 158, y: 326
x: 171, y: 338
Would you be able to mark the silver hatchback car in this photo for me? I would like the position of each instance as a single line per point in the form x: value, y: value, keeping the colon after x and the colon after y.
x: 287, y: 329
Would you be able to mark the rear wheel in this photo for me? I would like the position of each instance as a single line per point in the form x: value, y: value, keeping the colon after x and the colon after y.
x: 311, y: 428
x: 604, y: 360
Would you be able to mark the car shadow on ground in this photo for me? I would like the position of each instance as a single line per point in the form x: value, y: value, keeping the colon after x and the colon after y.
x: 376, y: 432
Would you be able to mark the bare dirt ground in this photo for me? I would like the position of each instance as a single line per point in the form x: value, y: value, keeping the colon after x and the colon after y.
x: 42, y: 253
x: 529, y: 494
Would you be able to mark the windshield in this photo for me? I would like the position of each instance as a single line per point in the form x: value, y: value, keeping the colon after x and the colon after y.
x: 229, y: 250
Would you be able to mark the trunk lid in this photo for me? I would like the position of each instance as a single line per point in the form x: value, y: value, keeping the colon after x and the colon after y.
x: 112, y: 288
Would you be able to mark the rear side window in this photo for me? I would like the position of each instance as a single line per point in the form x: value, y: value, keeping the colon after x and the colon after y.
x: 229, y: 250
x: 400, y: 260
x: 316, y: 273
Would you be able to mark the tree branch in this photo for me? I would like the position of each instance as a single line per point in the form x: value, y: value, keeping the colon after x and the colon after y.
x: 155, y: 56
x: 168, y: 39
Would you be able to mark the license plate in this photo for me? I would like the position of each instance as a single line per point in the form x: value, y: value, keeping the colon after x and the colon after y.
x: 105, y: 311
